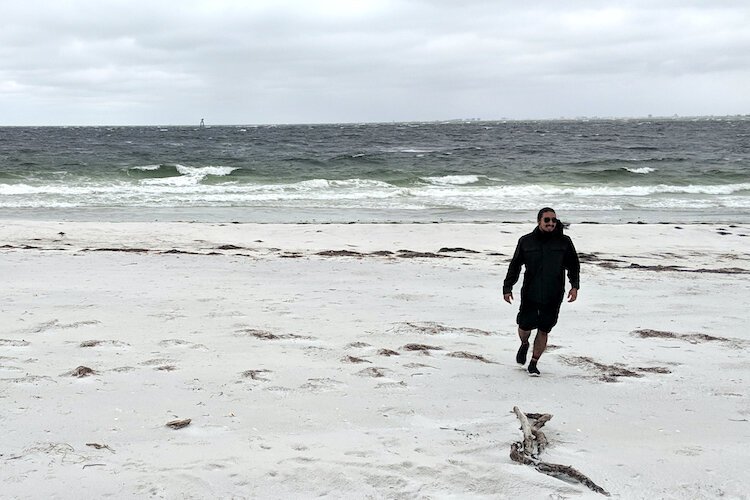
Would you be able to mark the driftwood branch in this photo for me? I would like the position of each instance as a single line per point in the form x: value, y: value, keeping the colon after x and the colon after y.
x: 566, y: 473
x: 541, y: 441
x: 534, y: 442
x: 528, y: 437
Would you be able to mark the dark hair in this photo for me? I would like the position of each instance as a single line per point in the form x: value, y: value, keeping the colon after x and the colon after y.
x: 541, y: 212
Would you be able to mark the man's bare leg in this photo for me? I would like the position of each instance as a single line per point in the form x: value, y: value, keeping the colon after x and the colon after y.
x: 521, y: 354
x: 540, y: 344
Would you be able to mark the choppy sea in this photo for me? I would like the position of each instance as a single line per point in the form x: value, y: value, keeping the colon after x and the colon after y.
x: 666, y: 170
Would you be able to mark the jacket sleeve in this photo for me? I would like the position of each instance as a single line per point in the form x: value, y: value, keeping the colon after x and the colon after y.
x: 573, y: 265
x: 514, y: 270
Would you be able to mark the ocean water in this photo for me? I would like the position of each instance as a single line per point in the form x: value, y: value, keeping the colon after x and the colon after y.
x: 666, y: 170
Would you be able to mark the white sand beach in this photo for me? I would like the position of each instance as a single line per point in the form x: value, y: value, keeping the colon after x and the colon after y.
x: 382, y: 369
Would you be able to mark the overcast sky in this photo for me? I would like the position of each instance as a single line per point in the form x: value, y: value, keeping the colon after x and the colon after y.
x: 75, y: 62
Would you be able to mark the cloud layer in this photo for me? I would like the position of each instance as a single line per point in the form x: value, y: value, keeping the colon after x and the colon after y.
x: 292, y: 61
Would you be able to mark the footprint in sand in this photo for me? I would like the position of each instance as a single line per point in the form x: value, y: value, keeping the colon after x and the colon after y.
x: 123, y: 369
x: 226, y: 314
x: 279, y: 389
x: 386, y: 482
x: 689, y: 451
x: 13, y: 343
x: 28, y: 379
x: 156, y: 361
x: 256, y: 374
x: 374, y: 372
x: 11, y: 369
x: 55, y: 324
x: 468, y: 355
x: 97, y: 343
x: 357, y: 345
x: 182, y: 343
x: 354, y: 359
x: 266, y: 335
x: 358, y: 454
x: 392, y: 385
x: 432, y: 328
x: 418, y: 365
x: 160, y: 364
x: 388, y: 352
x: 321, y: 384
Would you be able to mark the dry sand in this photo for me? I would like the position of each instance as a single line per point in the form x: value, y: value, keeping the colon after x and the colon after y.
x: 296, y: 371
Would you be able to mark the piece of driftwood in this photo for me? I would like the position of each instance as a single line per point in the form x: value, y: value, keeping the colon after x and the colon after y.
x: 528, y: 438
x: 534, y: 442
x: 100, y: 446
x: 94, y: 465
x: 541, y: 439
x: 82, y: 371
x: 178, y: 424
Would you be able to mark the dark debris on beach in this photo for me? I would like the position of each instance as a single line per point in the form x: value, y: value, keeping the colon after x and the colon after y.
x: 82, y: 371
x: 693, y: 338
x: 421, y: 347
x: 613, y: 372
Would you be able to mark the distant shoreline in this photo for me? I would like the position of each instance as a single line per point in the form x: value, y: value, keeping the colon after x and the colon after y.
x: 472, y: 121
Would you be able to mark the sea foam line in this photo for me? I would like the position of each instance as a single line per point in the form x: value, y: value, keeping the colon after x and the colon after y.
x: 190, y: 184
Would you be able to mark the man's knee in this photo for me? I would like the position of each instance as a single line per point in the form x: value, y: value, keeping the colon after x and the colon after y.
x: 524, y: 335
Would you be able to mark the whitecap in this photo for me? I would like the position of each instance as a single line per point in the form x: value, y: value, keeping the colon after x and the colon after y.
x: 359, y: 183
x: 189, y: 175
x: 204, y: 171
x: 322, y: 184
x: 452, y: 179
x: 641, y: 170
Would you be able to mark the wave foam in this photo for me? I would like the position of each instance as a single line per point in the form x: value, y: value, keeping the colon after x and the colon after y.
x: 461, y: 192
x: 452, y: 180
x: 642, y: 170
x: 204, y: 171
x: 190, y: 175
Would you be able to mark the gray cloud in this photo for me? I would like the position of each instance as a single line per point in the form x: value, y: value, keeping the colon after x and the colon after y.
x: 345, y: 60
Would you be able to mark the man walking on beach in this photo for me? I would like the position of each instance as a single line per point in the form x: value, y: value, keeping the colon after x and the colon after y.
x: 546, y: 253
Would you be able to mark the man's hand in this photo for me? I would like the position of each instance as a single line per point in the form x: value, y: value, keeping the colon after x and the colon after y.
x: 508, y: 297
x: 572, y: 294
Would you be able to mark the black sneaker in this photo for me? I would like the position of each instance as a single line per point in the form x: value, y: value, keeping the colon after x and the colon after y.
x: 533, y: 369
x: 521, y: 354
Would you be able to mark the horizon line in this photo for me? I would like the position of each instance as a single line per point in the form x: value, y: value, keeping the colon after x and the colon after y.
x: 674, y: 117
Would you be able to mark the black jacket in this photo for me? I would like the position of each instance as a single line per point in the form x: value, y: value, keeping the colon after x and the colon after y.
x: 546, y: 257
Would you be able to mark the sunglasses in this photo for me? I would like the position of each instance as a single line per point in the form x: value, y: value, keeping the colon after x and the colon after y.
x: 550, y: 219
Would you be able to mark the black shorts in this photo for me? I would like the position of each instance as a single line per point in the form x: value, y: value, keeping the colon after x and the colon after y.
x: 533, y: 315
